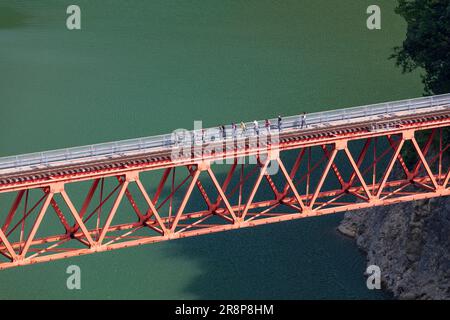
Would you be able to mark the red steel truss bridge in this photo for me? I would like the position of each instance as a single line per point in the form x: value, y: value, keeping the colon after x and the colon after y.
x: 75, y: 201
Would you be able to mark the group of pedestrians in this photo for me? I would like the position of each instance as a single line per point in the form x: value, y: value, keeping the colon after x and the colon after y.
x: 256, y: 126
x: 256, y: 129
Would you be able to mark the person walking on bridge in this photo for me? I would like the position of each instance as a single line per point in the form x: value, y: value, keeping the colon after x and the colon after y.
x: 279, y: 123
x: 203, y: 136
x: 303, y: 120
x: 192, y: 137
x: 223, y: 131
x: 267, y: 124
x: 243, y: 128
x: 256, y: 127
x: 233, y: 130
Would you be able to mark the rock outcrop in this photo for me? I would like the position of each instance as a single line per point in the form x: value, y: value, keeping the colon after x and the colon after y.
x: 410, y: 242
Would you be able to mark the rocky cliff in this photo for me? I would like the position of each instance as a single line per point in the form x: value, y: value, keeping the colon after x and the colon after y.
x: 410, y: 242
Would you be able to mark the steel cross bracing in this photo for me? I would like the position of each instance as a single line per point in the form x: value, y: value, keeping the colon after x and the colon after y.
x: 69, y: 209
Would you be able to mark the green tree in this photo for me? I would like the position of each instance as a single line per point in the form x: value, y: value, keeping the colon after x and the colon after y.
x: 426, y: 47
x: 427, y: 43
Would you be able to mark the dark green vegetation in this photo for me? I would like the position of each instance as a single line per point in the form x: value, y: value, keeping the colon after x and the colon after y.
x: 427, y: 46
x: 409, y: 241
x: 427, y: 43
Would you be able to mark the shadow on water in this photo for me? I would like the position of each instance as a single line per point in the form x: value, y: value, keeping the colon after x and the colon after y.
x: 11, y: 18
x: 291, y: 260
x: 300, y: 259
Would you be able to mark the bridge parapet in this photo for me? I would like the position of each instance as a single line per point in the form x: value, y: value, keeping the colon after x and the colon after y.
x: 148, y: 197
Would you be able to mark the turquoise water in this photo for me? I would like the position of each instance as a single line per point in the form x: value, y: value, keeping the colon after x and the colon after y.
x: 139, y: 68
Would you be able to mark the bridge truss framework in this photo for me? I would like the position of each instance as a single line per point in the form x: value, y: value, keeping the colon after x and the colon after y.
x: 119, y: 207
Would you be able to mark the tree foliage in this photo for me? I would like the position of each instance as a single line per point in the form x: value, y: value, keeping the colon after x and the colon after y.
x: 427, y: 43
x: 426, y: 47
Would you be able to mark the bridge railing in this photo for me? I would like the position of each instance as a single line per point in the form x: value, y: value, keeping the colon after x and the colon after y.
x: 118, y: 148
x: 373, y: 110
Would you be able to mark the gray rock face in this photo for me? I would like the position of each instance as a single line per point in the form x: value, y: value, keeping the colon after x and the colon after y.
x: 410, y: 242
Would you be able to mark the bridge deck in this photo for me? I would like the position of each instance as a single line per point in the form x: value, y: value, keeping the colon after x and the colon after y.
x: 36, y: 184
x: 322, y: 128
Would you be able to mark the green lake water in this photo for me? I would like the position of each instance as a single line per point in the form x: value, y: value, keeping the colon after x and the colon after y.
x: 139, y: 68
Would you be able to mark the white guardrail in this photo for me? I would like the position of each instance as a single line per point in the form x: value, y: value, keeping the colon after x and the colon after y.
x: 164, y: 141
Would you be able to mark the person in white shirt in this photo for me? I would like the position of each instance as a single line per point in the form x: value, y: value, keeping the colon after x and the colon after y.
x: 256, y: 125
x: 303, y: 120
